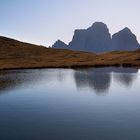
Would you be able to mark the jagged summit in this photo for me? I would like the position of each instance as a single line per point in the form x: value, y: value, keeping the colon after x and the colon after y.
x: 99, y: 29
x: 98, y: 26
x: 97, y: 38
x: 93, y: 39
x: 126, y: 29
x: 124, y: 40
x: 60, y: 45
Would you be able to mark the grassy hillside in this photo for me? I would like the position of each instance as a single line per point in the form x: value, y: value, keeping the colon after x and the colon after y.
x: 15, y: 54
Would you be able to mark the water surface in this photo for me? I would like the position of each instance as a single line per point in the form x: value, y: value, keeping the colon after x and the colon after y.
x: 65, y: 104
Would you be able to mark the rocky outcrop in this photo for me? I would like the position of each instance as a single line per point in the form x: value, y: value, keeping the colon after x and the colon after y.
x: 124, y: 40
x: 59, y: 45
x: 95, y: 39
x: 98, y: 39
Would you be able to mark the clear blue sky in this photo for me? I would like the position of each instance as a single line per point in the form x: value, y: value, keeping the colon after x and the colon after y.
x: 45, y: 21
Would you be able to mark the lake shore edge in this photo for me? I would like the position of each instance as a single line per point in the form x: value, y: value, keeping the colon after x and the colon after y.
x: 72, y: 67
x: 15, y: 54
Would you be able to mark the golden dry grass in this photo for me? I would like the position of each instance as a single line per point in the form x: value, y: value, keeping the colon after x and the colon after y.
x: 15, y: 55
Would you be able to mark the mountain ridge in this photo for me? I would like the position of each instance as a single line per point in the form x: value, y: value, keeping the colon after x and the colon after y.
x: 59, y: 45
x: 98, y: 39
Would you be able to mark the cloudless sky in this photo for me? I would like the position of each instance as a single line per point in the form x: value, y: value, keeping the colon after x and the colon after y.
x: 45, y: 21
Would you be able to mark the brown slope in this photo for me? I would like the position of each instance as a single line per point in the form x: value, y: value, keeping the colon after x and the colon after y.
x: 120, y: 58
x: 16, y: 54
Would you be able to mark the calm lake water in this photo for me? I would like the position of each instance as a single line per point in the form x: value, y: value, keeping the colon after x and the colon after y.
x: 65, y: 104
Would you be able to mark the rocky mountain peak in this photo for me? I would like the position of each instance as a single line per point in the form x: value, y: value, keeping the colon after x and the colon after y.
x: 98, y: 39
x: 59, y: 45
x: 124, y: 40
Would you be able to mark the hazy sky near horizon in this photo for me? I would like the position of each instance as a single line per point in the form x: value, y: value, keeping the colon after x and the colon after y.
x: 45, y: 21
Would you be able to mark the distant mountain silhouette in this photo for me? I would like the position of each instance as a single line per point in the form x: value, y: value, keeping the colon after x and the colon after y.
x: 124, y: 40
x: 94, y: 39
x: 59, y: 45
x: 98, y: 39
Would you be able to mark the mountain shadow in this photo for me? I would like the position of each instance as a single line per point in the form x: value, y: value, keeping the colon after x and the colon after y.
x: 99, y: 79
x: 126, y: 76
x: 94, y: 79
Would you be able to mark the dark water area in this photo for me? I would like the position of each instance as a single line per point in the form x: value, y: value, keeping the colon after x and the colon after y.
x: 65, y: 104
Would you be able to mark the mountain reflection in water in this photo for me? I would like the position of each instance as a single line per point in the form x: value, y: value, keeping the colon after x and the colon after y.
x: 97, y: 79
x: 100, y: 79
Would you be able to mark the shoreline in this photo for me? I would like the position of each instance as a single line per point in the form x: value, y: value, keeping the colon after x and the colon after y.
x: 19, y: 55
x: 73, y: 67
